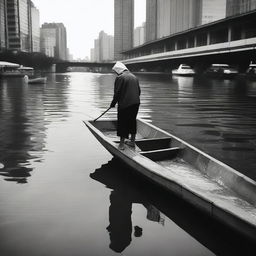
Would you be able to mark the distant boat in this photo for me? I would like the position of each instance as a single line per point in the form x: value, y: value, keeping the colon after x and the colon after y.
x: 179, y: 167
x: 9, y: 69
x: 251, y: 71
x: 221, y: 71
x: 184, y: 70
x: 37, y: 80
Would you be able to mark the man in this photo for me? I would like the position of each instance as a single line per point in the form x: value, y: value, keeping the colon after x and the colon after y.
x: 127, y: 96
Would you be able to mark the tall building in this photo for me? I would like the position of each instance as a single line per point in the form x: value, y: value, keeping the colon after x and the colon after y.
x: 14, y: 18
x: 177, y: 15
x: 103, y: 48
x: 213, y: 10
x: 123, y: 23
x: 54, y: 40
x: 92, y: 58
x: 22, y: 25
x: 235, y: 7
x: 151, y: 20
x: 35, y: 28
x: 3, y: 38
x: 96, y: 50
x: 166, y: 17
x: 48, y: 41
x: 3, y: 24
x: 106, y: 47
x: 139, y: 35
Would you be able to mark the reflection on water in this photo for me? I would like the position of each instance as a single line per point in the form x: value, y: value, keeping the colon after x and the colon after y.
x: 122, y: 197
x: 218, y: 116
x: 25, y: 112
x: 128, y: 189
x: 44, y: 144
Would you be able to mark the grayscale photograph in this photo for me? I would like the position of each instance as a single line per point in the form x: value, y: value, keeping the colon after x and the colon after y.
x: 127, y: 127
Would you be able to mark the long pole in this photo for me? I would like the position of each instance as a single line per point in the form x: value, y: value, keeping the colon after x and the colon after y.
x: 102, y: 114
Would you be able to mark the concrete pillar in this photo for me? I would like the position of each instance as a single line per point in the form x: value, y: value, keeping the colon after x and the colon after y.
x: 176, y: 45
x: 242, y: 34
x: 229, y: 33
x: 208, y: 38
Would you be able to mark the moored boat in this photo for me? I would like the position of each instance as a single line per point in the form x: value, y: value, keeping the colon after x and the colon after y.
x: 9, y: 69
x: 37, y: 80
x: 221, y: 71
x: 196, y: 177
x: 251, y: 71
x: 184, y: 70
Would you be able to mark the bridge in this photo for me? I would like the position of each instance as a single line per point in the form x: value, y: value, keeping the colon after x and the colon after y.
x: 62, y: 66
x: 231, y: 40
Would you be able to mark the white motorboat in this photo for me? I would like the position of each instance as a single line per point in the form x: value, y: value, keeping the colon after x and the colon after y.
x: 184, y: 70
x: 221, y: 71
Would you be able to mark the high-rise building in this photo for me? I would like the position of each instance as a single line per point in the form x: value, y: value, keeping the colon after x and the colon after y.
x: 48, y: 41
x: 235, y: 7
x: 103, y: 48
x: 213, y: 10
x: 166, y: 17
x: 106, y: 47
x: 124, y: 23
x: 35, y: 29
x: 54, y: 40
x: 96, y: 50
x: 151, y: 20
x: 13, y: 25
x: 177, y: 15
x: 92, y: 58
x: 139, y: 35
x: 22, y: 25
x: 3, y: 24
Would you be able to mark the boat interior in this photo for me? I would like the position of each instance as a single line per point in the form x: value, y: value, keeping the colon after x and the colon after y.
x: 150, y: 143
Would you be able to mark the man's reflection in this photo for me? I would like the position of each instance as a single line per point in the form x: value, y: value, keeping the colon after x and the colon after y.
x: 125, y: 193
x: 120, y: 223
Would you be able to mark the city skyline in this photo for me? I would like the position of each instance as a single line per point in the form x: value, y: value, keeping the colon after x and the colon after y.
x: 84, y: 19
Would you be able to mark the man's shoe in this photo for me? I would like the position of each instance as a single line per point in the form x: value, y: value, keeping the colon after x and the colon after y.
x: 130, y: 144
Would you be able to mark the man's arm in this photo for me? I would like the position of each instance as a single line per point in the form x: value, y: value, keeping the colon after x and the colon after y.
x: 117, y: 90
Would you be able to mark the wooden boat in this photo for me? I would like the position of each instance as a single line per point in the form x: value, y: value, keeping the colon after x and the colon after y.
x: 179, y: 167
x: 37, y: 80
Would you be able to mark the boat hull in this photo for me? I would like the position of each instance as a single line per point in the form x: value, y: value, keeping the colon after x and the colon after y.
x: 41, y: 80
x: 152, y: 170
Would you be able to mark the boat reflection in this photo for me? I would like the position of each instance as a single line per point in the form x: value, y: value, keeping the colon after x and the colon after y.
x: 129, y: 188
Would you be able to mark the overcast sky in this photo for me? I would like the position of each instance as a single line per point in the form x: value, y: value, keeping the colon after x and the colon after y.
x: 84, y: 19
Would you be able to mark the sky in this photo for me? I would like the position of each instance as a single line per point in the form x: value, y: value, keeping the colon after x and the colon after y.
x: 84, y: 19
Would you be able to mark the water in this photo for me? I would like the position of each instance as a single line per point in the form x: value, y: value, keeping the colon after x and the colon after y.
x: 61, y: 193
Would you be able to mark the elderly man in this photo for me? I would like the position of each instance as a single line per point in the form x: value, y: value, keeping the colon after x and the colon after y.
x: 127, y: 96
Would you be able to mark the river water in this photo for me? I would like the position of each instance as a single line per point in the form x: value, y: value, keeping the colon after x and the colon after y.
x: 61, y: 193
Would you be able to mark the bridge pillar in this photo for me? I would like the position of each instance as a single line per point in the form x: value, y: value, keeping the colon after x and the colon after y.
x: 195, y: 41
x: 208, y: 38
x: 229, y: 34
